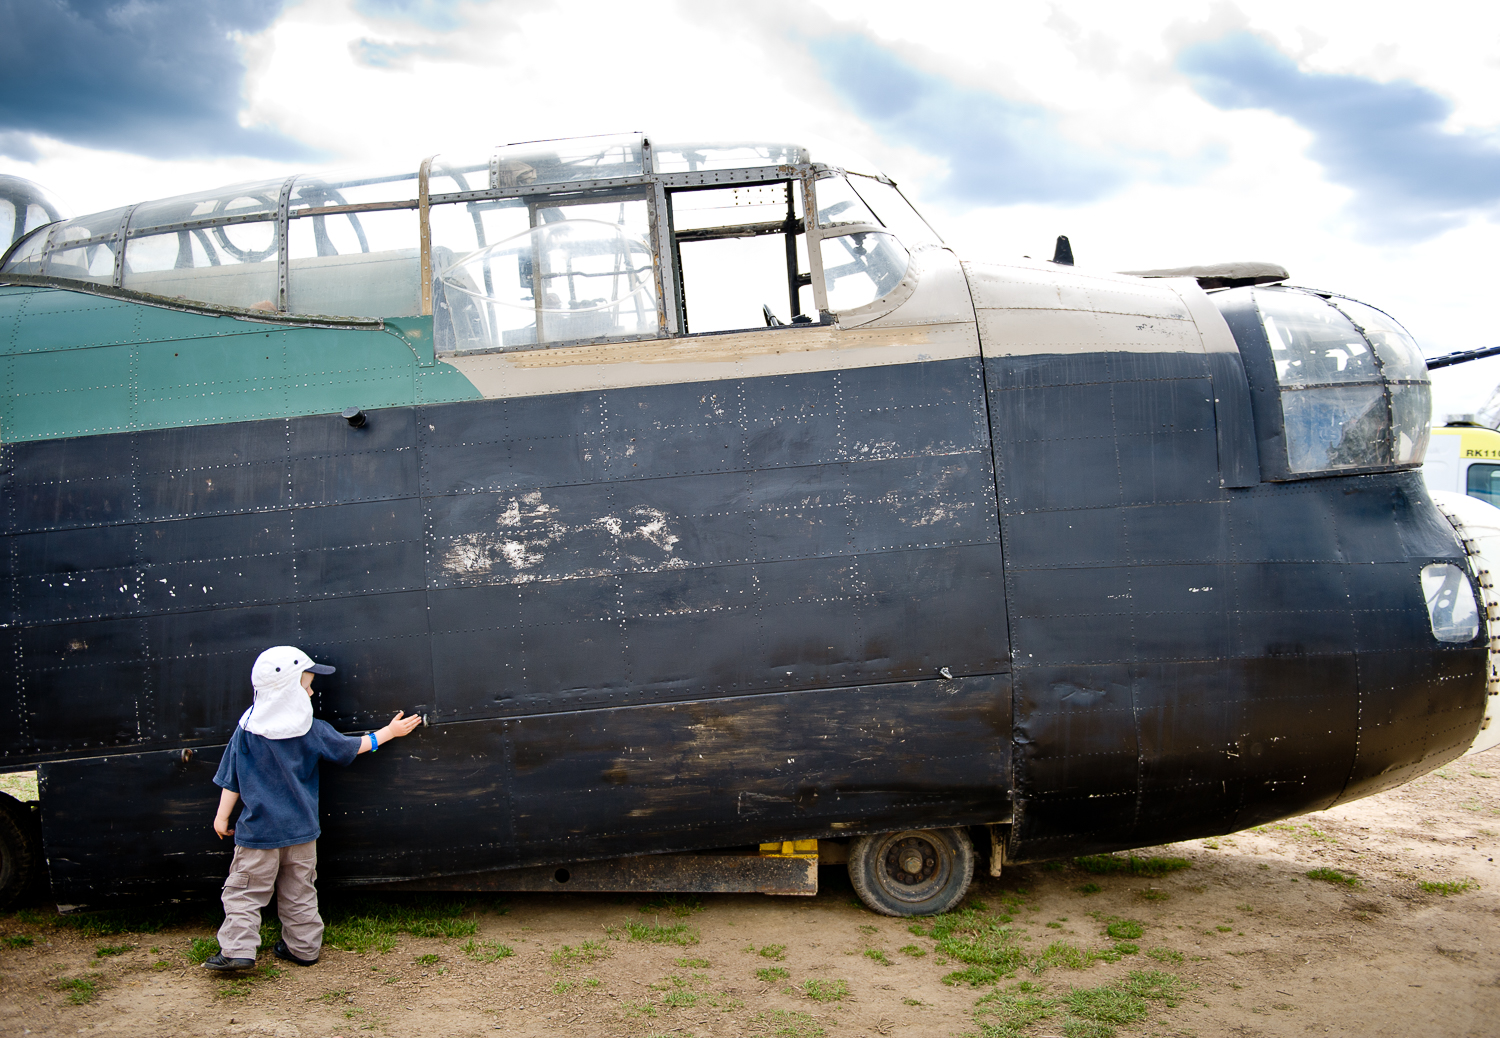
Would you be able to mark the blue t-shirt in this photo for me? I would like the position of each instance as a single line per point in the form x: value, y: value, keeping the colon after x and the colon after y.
x: 277, y: 780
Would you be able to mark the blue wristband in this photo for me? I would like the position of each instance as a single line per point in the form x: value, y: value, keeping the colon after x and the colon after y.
x: 374, y: 742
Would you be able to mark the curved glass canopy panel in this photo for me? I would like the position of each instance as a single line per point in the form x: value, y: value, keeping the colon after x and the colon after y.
x: 701, y: 156
x: 526, y: 244
x: 1354, y: 396
x: 24, y: 207
x: 238, y: 202
x: 574, y: 274
x: 860, y: 268
x: 565, y: 161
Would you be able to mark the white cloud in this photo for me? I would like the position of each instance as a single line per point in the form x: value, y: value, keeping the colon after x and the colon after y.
x: 1228, y: 184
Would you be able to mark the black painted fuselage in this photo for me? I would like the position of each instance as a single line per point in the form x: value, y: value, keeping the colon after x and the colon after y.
x: 814, y: 582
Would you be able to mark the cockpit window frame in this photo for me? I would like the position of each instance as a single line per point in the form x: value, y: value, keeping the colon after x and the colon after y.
x: 654, y: 184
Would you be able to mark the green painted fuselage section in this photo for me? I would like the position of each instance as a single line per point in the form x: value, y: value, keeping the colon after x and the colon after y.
x: 78, y: 365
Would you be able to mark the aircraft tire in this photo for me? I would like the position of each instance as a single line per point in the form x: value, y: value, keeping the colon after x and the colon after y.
x: 878, y: 868
x: 18, y: 850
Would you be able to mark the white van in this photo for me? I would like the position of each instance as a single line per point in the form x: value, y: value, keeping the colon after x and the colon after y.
x: 1464, y: 458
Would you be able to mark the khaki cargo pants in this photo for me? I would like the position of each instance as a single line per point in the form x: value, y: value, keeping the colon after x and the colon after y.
x: 290, y: 873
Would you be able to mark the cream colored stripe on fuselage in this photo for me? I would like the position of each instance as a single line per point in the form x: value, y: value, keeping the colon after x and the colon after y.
x: 660, y: 362
x: 1021, y: 309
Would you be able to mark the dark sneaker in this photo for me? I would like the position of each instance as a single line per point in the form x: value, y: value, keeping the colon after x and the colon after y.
x: 285, y: 956
x: 217, y: 961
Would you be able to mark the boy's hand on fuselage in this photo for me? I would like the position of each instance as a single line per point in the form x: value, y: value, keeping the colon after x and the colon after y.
x: 400, y: 725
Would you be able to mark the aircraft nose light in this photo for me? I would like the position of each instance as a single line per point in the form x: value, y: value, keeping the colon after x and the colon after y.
x: 1450, y: 603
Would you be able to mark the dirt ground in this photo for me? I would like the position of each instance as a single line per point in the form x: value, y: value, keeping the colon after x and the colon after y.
x: 1257, y: 947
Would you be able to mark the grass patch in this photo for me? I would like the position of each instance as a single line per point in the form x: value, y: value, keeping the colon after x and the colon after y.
x: 679, y: 934
x: 988, y: 950
x: 678, y: 904
x: 1006, y: 1014
x: 112, y: 922
x: 562, y: 987
x: 1125, y: 929
x: 826, y: 990
x: 681, y: 999
x: 427, y: 960
x: 877, y: 955
x: 1156, y: 985
x: 19, y: 784
x: 1152, y: 894
x: 202, y: 949
x: 18, y: 940
x: 1089, y: 888
x: 104, y: 951
x: 1099, y: 1010
x: 1447, y: 889
x: 587, y: 952
x: 771, y: 974
x: 1130, y: 865
x: 486, y: 951
x: 1334, y: 876
x: 915, y: 951
x: 700, y: 964
x: 775, y: 952
x: 80, y: 990
x: 1068, y: 956
x: 1087, y: 1012
x: 363, y: 923
x: 641, y: 1008
x: 1165, y: 955
x: 975, y: 976
x: 783, y: 1024
x: 1295, y: 831
x: 237, y: 986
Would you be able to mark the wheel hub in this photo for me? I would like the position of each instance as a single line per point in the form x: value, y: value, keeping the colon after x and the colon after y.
x: 911, y: 861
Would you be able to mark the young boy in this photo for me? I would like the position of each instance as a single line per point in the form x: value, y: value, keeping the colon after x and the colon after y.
x: 271, y: 765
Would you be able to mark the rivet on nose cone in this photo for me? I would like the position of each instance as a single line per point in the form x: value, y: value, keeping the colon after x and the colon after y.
x: 1478, y: 527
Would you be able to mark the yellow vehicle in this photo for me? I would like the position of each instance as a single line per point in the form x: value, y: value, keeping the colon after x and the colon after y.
x: 1464, y: 458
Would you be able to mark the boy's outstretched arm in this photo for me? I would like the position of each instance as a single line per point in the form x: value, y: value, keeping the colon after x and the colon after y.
x: 227, y: 799
x: 398, y: 727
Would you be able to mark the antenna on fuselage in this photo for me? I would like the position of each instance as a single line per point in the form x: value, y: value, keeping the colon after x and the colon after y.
x: 1064, y: 252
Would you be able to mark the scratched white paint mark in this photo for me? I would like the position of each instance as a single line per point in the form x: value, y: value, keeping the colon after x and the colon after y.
x: 875, y: 448
x: 1195, y: 590
x: 529, y: 528
x: 653, y: 527
x: 517, y: 554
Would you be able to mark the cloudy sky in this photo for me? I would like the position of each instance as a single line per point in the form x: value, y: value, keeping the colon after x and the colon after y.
x: 1356, y: 144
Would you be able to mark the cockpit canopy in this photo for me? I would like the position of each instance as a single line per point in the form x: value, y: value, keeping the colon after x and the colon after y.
x: 587, y: 239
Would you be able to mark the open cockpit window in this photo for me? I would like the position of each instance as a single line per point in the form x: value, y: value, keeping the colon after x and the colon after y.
x: 741, y: 256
